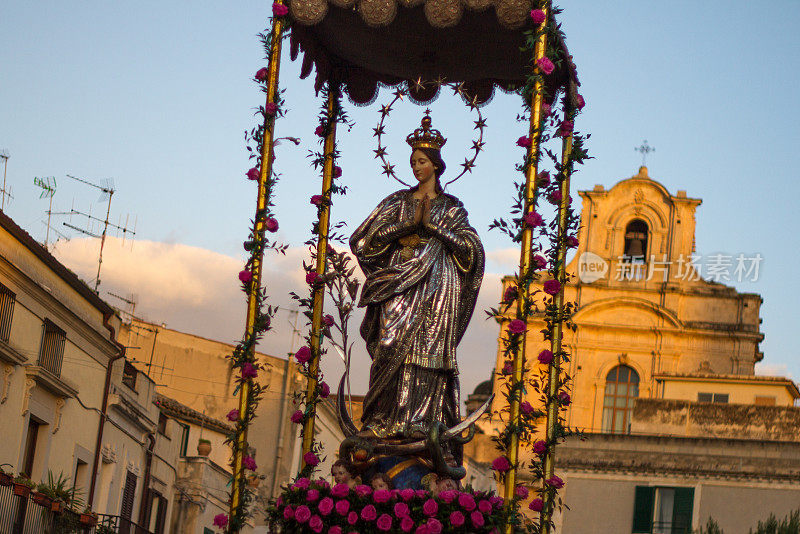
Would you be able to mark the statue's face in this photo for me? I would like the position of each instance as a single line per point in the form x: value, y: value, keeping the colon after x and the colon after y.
x: 340, y: 475
x: 422, y: 167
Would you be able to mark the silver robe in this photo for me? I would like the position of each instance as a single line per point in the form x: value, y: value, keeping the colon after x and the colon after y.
x: 420, y: 292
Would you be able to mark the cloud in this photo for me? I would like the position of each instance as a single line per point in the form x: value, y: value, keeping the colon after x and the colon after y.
x: 197, y: 291
x: 772, y: 369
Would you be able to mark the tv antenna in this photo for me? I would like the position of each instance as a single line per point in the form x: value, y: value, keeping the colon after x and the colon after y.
x: 4, y: 192
x: 106, y: 193
x: 48, y: 185
x: 130, y: 300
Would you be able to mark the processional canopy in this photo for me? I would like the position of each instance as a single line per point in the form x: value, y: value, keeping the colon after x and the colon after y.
x: 369, y: 43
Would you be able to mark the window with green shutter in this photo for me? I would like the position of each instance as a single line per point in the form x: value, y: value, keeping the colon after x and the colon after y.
x: 643, y: 509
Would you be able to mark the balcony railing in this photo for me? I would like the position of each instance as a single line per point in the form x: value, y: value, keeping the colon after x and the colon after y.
x: 21, y: 514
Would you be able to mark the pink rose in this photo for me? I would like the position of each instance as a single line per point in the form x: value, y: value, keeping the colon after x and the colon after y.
x: 521, y: 492
x: 545, y: 356
x: 270, y: 108
x: 343, y: 506
x: 501, y: 464
x: 302, y: 514
x: 279, y: 10
x: 507, y: 368
x: 517, y: 326
x: 319, y: 131
x: 496, y: 501
x: 335, y: 530
x: 310, y: 458
x: 401, y: 509
x: 327, y: 320
x: 434, y: 526
x: 233, y: 415
x: 526, y: 408
x: 312, y: 495
x: 303, y: 354
x: 311, y: 278
x: 340, y: 490
x: 302, y: 483
x: 430, y: 507
x: 539, y: 262
x: 536, y: 505
x: 563, y: 396
x: 249, y: 370
x: 533, y: 219
x: 406, y: 494
x: 447, y: 496
x: 369, y: 513
x: 545, y: 65
x: 422, y: 529
x: 565, y: 128
x: 572, y: 241
x: 325, y: 506
x: 337, y: 171
x: 421, y: 493
x: 580, y: 102
x: 456, y: 519
x: 382, y: 496
x: 316, y: 523
x: 384, y: 522
x: 322, y: 483
x: 554, y: 197
x: 406, y: 524
x: 245, y: 276
x: 546, y: 110
x: 552, y: 287
x: 324, y: 390
x: 477, y: 519
x: 543, y: 179
x: 288, y: 513
x: 539, y: 446
x: 352, y: 518
x: 555, y: 482
x: 221, y: 520
x: 253, y: 174
x: 538, y: 16
x: 467, y: 502
x: 262, y: 74
x: 271, y: 224
x: 362, y: 490
x: 249, y: 463
x: 297, y: 417
x: 317, y: 200
x: 510, y: 294
x: 524, y: 141
x: 485, y: 506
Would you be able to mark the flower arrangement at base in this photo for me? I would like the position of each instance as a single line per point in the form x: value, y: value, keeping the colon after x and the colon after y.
x: 314, y: 507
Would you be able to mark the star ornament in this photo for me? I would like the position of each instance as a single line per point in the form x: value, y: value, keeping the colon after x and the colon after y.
x: 380, y: 130
x: 480, y: 124
x: 468, y: 165
x: 388, y: 169
x: 380, y: 152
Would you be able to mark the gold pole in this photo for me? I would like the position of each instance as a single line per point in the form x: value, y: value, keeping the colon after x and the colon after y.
x: 554, y: 369
x: 525, y: 261
x: 322, y: 257
x: 238, y: 486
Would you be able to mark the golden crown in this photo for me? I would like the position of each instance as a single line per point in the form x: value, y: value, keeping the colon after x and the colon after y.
x: 425, y: 136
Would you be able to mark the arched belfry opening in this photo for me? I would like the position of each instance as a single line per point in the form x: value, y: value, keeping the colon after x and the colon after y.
x: 636, y: 237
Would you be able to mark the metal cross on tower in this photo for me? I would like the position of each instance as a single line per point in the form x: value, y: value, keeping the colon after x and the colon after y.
x: 644, y: 149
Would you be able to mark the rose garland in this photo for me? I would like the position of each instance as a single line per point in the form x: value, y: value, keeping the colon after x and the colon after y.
x: 243, y: 361
x: 525, y: 428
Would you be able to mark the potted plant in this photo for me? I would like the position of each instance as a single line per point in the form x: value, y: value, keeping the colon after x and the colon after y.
x: 41, y: 499
x: 6, y: 479
x: 88, y: 518
x: 203, y: 447
x: 59, y: 492
x: 23, y: 486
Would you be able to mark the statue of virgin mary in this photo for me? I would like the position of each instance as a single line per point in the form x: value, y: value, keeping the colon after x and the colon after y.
x: 424, y: 265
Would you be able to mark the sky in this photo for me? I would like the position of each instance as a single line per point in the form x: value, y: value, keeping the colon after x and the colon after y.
x: 157, y: 95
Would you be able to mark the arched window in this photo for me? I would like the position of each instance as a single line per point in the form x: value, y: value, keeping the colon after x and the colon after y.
x: 636, y: 241
x: 622, y: 386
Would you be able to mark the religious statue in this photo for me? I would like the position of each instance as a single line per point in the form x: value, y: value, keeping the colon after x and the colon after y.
x: 424, y: 265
